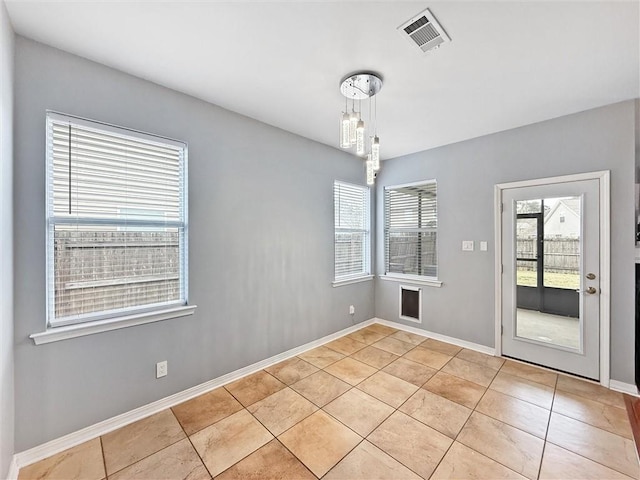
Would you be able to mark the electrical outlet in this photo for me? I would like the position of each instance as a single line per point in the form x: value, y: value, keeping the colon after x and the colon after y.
x: 352, y: 310
x: 161, y: 369
x: 483, y: 246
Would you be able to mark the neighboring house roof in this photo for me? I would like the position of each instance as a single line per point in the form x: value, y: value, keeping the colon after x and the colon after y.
x: 571, y: 204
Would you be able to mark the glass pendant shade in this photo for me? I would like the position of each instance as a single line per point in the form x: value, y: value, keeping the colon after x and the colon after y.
x: 375, y: 153
x: 353, y: 125
x: 370, y: 173
x: 345, y: 139
x: 360, y: 138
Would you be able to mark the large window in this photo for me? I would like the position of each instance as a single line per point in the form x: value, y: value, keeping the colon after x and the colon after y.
x: 351, y: 213
x: 116, y: 221
x: 410, y: 229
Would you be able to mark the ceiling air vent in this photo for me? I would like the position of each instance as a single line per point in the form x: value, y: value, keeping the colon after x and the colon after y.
x: 424, y: 31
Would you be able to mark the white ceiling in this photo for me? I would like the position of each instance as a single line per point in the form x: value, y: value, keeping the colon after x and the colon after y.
x: 510, y: 63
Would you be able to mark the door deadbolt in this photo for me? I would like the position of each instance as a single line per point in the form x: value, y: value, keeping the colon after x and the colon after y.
x: 591, y: 276
x: 591, y: 290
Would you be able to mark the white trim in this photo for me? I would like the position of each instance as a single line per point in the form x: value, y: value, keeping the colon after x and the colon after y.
x: 576, y: 177
x: 12, y: 474
x: 115, y: 129
x: 349, y: 281
x: 398, y: 277
x: 412, y: 184
x: 436, y: 336
x: 605, y: 278
x: 497, y: 240
x: 56, y: 334
x: 60, y: 444
x: 604, y: 179
x: 628, y: 388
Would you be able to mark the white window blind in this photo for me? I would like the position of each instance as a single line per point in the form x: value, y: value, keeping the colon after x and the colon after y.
x: 117, y: 221
x: 410, y: 229
x: 351, y: 214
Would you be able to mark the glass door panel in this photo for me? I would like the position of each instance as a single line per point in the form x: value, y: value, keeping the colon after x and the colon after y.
x: 548, y: 271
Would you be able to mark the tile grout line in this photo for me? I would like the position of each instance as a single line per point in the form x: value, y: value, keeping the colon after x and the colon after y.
x: 397, y: 409
x: 257, y: 420
x: 486, y: 389
x: 362, y: 438
x: 546, y: 433
x: 292, y: 454
x: 579, y: 454
x: 152, y: 453
x: 191, y: 443
x: 633, y: 421
x: 605, y: 405
x: 275, y: 437
x: 480, y: 413
x: 551, y: 412
x: 104, y: 460
x: 319, y: 409
x: 465, y: 424
x: 454, y: 440
x: 365, y: 438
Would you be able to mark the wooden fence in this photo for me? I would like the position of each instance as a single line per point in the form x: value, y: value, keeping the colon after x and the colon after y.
x: 106, y: 270
x: 561, y: 255
x: 403, y: 253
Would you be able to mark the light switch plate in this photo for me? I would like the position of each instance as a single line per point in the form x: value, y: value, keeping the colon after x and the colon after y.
x: 483, y: 246
x: 467, y: 245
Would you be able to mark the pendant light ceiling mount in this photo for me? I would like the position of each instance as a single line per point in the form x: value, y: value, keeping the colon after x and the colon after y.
x: 361, y: 85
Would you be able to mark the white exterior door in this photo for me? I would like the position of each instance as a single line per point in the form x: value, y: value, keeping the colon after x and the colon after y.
x: 550, y: 237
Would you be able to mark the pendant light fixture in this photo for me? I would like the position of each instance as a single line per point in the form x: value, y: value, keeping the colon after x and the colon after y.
x: 353, y: 131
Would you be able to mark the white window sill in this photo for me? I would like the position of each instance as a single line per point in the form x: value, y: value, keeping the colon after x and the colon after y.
x: 349, y: 281
x: 426, y: 281
x: 55, y: 334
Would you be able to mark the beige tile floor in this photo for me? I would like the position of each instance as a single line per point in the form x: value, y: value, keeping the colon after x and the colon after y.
x: 378, y: 403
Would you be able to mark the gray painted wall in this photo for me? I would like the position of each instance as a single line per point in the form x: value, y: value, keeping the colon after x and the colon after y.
x: 261, y: 248
x: 600, y: 139
x: 6, y: 242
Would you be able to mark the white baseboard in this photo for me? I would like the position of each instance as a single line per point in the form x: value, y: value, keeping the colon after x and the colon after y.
x: 58, y: 445
x: 35, y: 454
x: 628, y: 388
x: 12, y: 474
x: 436, y: 336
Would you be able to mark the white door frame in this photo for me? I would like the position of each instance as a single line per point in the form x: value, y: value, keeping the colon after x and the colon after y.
x: 605, y: 258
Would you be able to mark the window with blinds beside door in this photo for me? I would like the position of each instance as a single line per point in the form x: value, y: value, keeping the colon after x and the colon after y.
x: 116, y: 221
x: 352, y: 237
x: 411, y: 229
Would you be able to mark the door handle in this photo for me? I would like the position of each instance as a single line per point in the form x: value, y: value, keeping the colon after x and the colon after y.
x: 591, y: 290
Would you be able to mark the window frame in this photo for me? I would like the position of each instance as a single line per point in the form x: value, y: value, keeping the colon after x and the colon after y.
x: 365, y: 274
x: 117, y: 318
x: 426, y: 280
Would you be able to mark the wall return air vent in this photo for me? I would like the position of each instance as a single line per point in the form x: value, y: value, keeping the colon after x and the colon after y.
x: 424, y: 31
